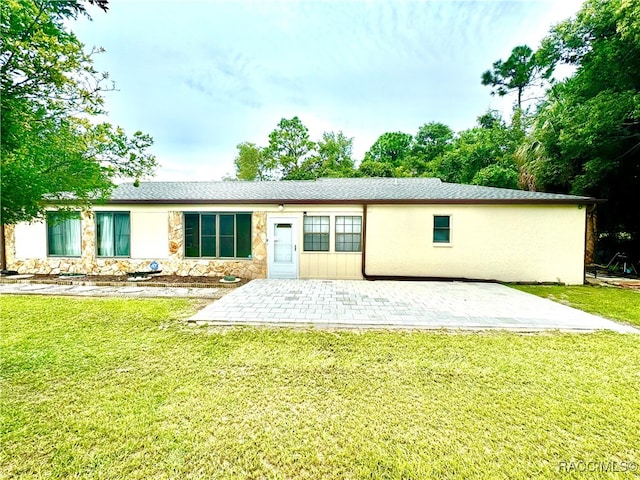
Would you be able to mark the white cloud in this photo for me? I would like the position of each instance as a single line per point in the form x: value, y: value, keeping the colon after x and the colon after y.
x: 202, y: 77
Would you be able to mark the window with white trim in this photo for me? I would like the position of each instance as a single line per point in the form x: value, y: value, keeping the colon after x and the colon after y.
x: 316, y: 233
x: 348, y: 233
x: 441, y: 229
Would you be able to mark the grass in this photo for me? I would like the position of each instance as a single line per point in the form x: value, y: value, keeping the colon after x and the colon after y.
x: 614, y: 303
x: 111, y: 388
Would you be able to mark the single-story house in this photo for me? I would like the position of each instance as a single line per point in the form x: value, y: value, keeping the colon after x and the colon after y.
x: 328, y: 228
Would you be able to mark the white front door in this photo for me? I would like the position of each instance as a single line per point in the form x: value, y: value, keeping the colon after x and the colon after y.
x: 282, y: 247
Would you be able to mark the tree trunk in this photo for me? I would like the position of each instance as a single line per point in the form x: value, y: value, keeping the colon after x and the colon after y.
x: 520, y: 97
x: 3, y: 249
x: 590, y: 239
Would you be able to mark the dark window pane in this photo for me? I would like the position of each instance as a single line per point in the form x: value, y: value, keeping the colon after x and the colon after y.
x: 243, y: 235
x: 209, y: 246
x: 441, y: 222
x: 441, y: 228
x: 226, y: 224
x: 441, y: 236
x: 226, y: 246
x: 208, y: 224
x: 191, y: 235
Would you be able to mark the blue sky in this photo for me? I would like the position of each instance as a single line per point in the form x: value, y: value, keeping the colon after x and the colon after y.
x: 204, y: 76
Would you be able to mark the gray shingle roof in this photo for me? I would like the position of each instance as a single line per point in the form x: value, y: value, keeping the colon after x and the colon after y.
x: 331, y: 190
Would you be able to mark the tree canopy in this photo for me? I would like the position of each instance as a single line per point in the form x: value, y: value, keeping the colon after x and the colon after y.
x: 52, y: 147
x: 524, y: 68
x: 289, y: 146
x: 291, y: 155
x: 582, y: 137
x: 585, y: 137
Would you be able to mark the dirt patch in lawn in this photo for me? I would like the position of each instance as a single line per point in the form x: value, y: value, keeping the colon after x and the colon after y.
x: 152, y: 280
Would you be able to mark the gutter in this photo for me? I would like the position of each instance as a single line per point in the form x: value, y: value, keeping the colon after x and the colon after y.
x: 434, y: 201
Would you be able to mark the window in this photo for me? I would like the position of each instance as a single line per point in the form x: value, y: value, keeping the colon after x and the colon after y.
x: 225, y: 235
x: 348, y: 234
x: 114, y: 234
x: 316, y: 234
x: 441, y: 229
x: 64, y: 234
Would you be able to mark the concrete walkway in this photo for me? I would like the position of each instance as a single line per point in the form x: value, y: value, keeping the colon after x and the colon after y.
x: 114, y: 291
x: 391, y: 304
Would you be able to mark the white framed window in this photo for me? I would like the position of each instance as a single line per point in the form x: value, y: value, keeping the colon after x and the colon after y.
x: 348, y: 233
x: 316, y: 233
x: 441, y: 229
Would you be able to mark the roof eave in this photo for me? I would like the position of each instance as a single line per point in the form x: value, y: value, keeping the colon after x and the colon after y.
x: 422, y: 201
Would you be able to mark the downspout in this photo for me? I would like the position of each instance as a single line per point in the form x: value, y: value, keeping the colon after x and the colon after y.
x: 363, y: 267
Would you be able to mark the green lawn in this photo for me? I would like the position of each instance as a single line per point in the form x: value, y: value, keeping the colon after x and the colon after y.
x: 110, y: 389
x: 609, y: 302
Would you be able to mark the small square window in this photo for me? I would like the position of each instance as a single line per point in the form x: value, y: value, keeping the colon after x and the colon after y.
x: 441, y: 229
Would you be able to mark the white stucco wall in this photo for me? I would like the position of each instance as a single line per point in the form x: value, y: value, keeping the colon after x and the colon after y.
x: 149, y: 232
x: 31, y: 240
x: 507, y: 243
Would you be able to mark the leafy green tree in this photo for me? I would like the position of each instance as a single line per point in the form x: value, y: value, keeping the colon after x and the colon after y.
x: 483, y: 155
x: 289, y: 146
x: 51, y: 94
x: 250, y: 163
x: 333, y: 159
x: 335, y: 152
x: 522, y: 69
x: 386, y: 157
x: 429, y: 144
x: 497, y: 175
x: 586, y: 135
x: 372, y: 168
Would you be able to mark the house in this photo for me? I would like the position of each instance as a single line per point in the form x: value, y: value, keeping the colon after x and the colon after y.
x: 327, y: 228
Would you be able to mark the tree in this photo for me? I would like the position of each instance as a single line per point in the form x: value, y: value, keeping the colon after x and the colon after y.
x: 429, y: 144
x: 497, y: 175
x: 333, y: 159
x: 522, y: 69
x: 386, y: 157
x: 289, y: 146
x: 51, y: 148
x: 250, y: 163
x: 483, y: 155
x: 335, y: 152
x: 586, y: 135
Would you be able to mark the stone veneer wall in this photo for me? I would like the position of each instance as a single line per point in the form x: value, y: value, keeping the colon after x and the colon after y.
x: 175, y: 264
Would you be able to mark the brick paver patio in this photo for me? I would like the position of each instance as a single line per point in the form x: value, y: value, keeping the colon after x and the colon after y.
x: 389, y: 304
